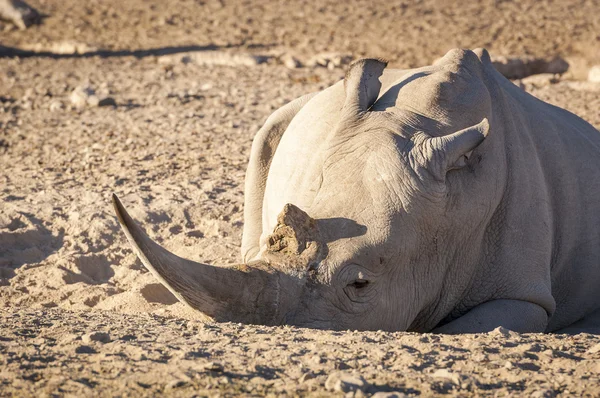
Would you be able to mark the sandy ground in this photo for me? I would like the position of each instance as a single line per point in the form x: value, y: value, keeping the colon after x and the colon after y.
x: 173, y: 141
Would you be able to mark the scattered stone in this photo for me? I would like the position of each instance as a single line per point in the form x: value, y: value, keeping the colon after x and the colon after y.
x: 330, y: 60
x: 446, y: 374
x: 83, y: 96
x: 93, y: 100
x: 595, y: 349
x: 61, y: 47
x: 594, y: 74
x: 546, y: 393
x: 306, y: 376
x: 290, y: 62
x: 479, y: 357
x: 316, y: 359
x: 214, y: 367
x: 345, y: 382
x: 224, y: 380
x: 389, y: 394
x: 101, y: 337
x: 519, y: 68
x: 38, y: 341
x: 257, y: 380
x: 175, y: 384
x: 210, y: 58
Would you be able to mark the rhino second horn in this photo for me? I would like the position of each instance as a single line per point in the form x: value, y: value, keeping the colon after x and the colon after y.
x: 362, y: 85
x: 294, y: 230
x: 242, y: 293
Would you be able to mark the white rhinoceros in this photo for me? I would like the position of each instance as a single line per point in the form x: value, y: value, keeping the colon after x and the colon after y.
x: 443, y: 198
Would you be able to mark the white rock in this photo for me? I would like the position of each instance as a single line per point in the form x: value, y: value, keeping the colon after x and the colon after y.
x: 330, y: 60
x: 55, y: 106
x: 214, y: 367
x: 345, y: 382
x: 61, y: 47
x: 446, y: 374
x: 175, y: 384
x: 210, y: 58
x: 594, y: 74
x: 81, y: 95
x: 290, y: 62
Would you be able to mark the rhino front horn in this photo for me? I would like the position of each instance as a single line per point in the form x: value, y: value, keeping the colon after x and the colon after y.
x: 242, y: 293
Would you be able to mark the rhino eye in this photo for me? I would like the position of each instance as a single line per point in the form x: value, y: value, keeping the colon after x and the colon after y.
x: 359, y: 283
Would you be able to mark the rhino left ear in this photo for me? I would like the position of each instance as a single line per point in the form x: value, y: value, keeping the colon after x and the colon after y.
x: 455, y: 149
x: 362, y: 85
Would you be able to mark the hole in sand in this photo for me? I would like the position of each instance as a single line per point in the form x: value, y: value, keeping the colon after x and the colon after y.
x: 25, y: 240
x: 157, y: 293
x: 95, y: 267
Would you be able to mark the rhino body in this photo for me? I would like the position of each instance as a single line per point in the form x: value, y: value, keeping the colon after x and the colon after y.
x: 441, y: 198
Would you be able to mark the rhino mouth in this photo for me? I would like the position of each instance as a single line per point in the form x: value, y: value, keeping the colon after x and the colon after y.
x: 247, y: 293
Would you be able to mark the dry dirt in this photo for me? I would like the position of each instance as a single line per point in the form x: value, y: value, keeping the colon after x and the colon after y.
x: 80, y: 315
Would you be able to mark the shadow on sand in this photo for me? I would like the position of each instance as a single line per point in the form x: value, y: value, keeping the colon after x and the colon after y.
x: 20, y: 245
x: 17, y: 52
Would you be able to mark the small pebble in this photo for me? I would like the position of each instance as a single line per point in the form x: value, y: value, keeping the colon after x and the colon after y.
x: 290, y: 62
x: 214, y: 367
x: 175, y: 384
x: 345, y: 382
x: 306, y: 376
x: 446, y: 374
x: 594, y: 74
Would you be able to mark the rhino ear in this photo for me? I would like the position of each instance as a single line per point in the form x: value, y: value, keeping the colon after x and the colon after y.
x: 452, y: 151
x: 362, y: 85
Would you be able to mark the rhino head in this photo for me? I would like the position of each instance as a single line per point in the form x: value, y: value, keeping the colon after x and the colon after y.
x: 368, y: 253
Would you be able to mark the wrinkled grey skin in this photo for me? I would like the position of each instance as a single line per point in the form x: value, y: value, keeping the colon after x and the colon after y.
x: 19, y: 13
x: 442, y: 198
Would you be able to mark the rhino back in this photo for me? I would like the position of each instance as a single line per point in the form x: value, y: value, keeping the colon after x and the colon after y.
x: 559, y: 165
